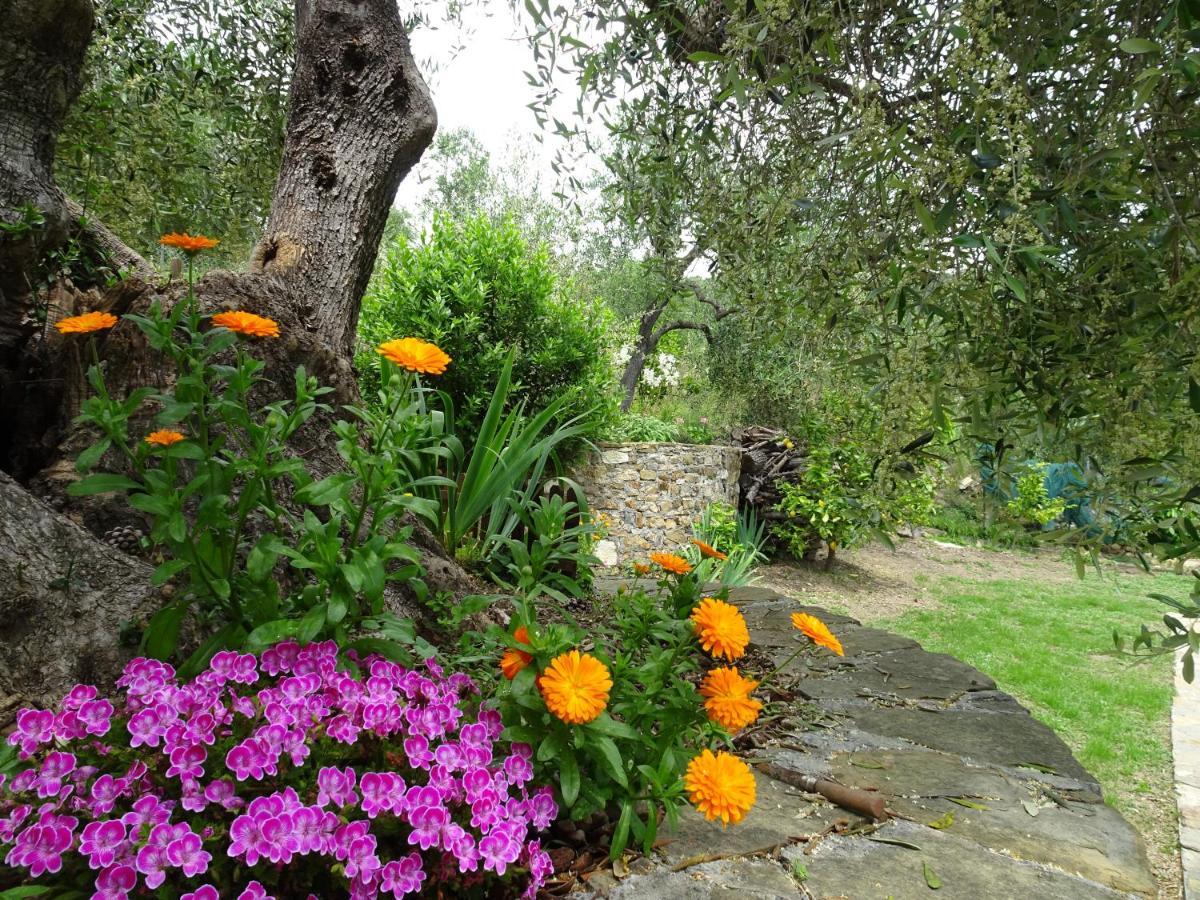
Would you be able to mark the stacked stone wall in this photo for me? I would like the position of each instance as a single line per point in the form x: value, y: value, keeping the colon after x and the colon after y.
x: 651, y: 493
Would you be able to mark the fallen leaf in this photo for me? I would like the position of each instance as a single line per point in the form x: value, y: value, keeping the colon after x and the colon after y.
x: 931, y: 878
x: 969, y: 804
x: 867, y: 764
x: 905, y: 844
x: 1030, y: 807
x: 942, y: 822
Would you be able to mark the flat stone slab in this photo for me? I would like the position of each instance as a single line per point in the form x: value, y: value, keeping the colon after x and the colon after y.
x: 780, y: 814
x: 993, y: 799
x: 873, y: 870
x: 721, y: 880
x: 1185, y: 742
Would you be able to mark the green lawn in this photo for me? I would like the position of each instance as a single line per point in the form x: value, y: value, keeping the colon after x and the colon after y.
x: 1047, y: 644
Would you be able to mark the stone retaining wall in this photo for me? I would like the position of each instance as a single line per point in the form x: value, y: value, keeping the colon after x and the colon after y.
x: 653, y: 492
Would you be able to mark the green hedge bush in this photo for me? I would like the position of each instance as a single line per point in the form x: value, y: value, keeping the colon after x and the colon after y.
x: 478, y: 290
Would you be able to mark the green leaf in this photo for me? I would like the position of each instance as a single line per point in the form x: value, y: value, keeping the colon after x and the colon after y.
x: 612, y: 756
x: 229, y: 637
x: 969, y: 804
x: 1194, y: 394
x: 162, y: 634
x: 272, y: 633
x: 92, y: 454
x: 151, y: 503
x: 620, y: 836
x: 1016, y: 286
x: 931, y: 878
x: 1189, y: 666
x: 390, y: 650
x: 925, y: 217
x: 185, y: 450
x: 311, y: 624
x: 102, y: 483
x: 1140, y: 45
x: 606, y: 724
x: 261, y: 559
x: 327, y: 490
x: 25, y: 890
x: 550, y: 747
x: 705, y: 56
x: 168, y: 570
x: 942, y: 822
x: 568, y: 778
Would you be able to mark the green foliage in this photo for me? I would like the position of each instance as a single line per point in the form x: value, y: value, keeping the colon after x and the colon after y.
x: 827, y: 502
x: 634, y: 427
x: 477, y: 290
x: 740, y: 536
x: 853, y: 484
x: 964, y: 523
x: 1031, y: 501
x: 552, y: 556
x: 180, y: 124
x: 632, y: 756
x: 253, y: 568
x: 489, y: 487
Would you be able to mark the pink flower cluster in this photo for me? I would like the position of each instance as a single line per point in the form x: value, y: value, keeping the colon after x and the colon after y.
x: 279, y: 767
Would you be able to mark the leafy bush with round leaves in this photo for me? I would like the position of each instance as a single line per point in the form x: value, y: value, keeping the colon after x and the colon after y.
x: 478, y: 290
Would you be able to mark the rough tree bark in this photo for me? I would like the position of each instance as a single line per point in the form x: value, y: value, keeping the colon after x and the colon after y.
x: 64, y: 599
x: 360, y: 115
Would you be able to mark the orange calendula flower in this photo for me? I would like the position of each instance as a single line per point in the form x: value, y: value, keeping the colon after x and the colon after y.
x: 721, y: 628
x: 514, y: 660
x: 641, y: 569
x: 672, y: 563
x: 164, y: 437
x: 817, y: 632
x: 728, y: 701
x: 86, y: 323
x: 190, y: 244
x: 720, y: 786
x: 247, y: 324
x: 575, y: 686
x: 415, y: 355
x: 709, y: 550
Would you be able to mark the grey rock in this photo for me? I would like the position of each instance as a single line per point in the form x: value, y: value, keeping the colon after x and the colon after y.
x: 871, y: 870
x: 721, y: 880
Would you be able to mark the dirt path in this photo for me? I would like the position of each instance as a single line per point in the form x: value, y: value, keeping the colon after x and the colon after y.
x: 875, y: 584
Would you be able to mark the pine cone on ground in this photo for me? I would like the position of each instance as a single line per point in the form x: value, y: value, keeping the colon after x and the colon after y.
x: 125, y: 538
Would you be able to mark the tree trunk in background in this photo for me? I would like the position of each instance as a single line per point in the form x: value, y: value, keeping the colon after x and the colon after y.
x: 360, y: 117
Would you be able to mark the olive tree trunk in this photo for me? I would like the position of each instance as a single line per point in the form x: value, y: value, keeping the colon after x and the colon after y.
x: 360, y: 116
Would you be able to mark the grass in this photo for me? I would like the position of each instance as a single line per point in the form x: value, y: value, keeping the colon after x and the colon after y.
x: 1047, y: 644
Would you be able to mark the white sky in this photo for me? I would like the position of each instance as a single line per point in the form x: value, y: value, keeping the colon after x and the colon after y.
x: 479, y: 83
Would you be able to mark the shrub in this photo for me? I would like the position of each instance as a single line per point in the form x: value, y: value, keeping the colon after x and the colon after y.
x: 211, y: 476
x: 827, y: 500
x: 628, y: 726
x: 728, y: 545
x: 476, y: 289
x: 286, y: 772
x: 636, y: 427
x: 1031, y: 500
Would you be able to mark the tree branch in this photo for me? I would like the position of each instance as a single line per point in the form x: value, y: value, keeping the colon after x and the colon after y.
x: 719, y: 311
x: 681, y: 325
